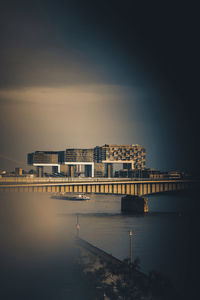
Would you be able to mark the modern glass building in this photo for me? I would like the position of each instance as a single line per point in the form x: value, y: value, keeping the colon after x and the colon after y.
x: 92, y: 162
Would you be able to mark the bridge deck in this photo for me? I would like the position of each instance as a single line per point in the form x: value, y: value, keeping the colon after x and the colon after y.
x: 121, y: 186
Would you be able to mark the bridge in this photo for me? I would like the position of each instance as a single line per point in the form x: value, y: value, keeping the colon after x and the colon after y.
x: 116, y: 186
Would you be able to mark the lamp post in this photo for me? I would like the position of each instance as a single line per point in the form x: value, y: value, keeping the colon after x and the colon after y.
x: 77, y: 227
x: 130, y: 245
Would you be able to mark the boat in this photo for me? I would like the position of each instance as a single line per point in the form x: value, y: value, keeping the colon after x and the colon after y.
x: 72, y: 197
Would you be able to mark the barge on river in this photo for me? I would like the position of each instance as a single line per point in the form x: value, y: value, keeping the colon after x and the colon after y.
x: 70, y: 196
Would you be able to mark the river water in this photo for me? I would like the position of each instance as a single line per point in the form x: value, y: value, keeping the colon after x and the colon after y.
x: 37, y: 230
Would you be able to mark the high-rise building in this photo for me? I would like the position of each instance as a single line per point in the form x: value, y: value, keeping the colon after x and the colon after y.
x: 132, y: 156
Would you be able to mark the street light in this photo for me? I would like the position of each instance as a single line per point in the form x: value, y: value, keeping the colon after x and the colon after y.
x: 130, y: 245
x: 77, y: 227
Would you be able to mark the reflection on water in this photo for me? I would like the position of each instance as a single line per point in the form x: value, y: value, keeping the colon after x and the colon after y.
x: 37, y: 261
x: 37, y: 232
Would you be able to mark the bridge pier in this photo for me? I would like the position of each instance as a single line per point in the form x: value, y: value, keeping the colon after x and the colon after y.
x: 134, y: 204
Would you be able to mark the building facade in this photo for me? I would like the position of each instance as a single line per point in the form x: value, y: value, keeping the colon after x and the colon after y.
x: 77, y: 159
x: 45, y: 157
x: 92, y: 162
x: 41, y: 159
x: 132, y: 156
x: 79, y: 155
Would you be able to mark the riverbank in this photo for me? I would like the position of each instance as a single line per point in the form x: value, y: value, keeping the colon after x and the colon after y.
x: 115, y: 279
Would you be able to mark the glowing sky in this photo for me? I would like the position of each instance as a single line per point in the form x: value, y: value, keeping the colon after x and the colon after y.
x: 81, y: 75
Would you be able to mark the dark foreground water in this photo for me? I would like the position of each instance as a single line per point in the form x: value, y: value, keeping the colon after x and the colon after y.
x: 38, y: 260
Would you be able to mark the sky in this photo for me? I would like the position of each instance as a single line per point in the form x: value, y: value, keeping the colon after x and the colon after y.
x: 88, y: 73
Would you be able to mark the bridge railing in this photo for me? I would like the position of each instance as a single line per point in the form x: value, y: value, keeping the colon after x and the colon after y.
x: 12, y: 180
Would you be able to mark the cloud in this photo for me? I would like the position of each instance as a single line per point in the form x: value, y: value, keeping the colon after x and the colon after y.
x: 65, y: 94
x: 44, y: 118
